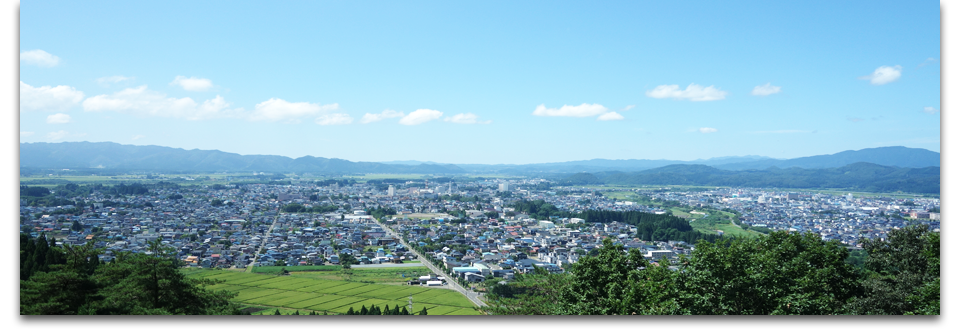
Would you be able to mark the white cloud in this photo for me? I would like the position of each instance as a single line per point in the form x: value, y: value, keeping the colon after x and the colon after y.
x: 26, y: 133
x: 386, y: 114
x: 58, y: 118
x: 693, y: 92
x: 765, y: 89
x: 112, y: 80
x: 47, y: 98
x: 465, y: 118
x: 142, y: 102
x: 707, y: 130
x: 930, y: 110
x: 56, y: 136
x: 611, y: 116
x: 39, y: 58
x: 883, y: 75
x: 333, y: 119
x: 193, y: 83
x: 137, y: 137
x: 584, y: 110
x: 281, y: 110
x: 420, y: 116
x: 629, y: 107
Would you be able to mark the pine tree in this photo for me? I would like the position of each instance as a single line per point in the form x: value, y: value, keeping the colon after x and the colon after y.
x: 296, y: 312
x: 277, y: 312
x: 404, y: 311
x: 349, y: 311
x: 387, y: 311
x: 423, y: 311
x: 364, y: 310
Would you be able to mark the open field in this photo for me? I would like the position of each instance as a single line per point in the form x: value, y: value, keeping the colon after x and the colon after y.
x: 392, y: 276
x: 303, y: 294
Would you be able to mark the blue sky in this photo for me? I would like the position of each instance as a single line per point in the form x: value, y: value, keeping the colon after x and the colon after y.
x: 490, y: 82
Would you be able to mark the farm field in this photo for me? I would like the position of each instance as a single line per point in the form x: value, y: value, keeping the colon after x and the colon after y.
x: 373, y: 275
x: 264, y: 293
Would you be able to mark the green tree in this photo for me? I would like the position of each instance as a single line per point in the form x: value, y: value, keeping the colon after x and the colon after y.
x: 277, y: 312
x: 903, y: 273
x: 781, y: 273
x: 423, y: 311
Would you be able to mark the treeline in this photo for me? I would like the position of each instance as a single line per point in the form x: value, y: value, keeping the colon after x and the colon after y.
x: 380, y: 212
x: 865, y: 177
x: 651, y: 227
x: 298, y: 208
x: 375, y: 310
x: 71, y: 280
x: 778, y: 274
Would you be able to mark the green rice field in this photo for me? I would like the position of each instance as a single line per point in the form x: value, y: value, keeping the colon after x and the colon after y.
x: 305, y: 294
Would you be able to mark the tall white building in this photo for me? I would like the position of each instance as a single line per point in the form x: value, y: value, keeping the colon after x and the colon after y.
x: 390, y: 191
x: 505, y: 187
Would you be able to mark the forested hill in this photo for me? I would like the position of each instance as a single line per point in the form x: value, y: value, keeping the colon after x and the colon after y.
x: 865, y: 177
x: 109, y: 155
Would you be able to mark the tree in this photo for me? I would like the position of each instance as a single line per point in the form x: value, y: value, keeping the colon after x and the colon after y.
x: 423, y: 311
x: 364, y: 310
x: 76, y: 226
x: 903, y: 273
x: 781, y: 273
x: 277, y: 312
x: 350, y: 311
x: 216, y: 203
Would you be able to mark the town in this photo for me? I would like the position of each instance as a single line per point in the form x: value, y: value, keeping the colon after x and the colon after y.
x: 470, y: 228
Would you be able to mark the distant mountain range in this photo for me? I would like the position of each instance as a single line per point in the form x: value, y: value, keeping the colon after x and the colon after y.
x: 887, y: 156
x: 859, y: 176
x: 115, y: 156
x: 157, y: 158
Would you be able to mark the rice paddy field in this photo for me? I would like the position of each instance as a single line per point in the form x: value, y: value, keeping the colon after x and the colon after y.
x: 268, y: 293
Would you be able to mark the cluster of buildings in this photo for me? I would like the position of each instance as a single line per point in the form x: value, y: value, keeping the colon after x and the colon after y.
x: 471, y: 227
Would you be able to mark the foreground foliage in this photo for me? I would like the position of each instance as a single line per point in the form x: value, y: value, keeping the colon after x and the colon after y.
x: 783, y: 273
x: 71, y: 280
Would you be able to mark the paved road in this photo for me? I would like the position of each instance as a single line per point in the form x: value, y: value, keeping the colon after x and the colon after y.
x: 472, y: 296
x: 263, y: 243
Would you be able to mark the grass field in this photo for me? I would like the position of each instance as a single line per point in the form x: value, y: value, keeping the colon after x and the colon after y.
x: 305, y: 294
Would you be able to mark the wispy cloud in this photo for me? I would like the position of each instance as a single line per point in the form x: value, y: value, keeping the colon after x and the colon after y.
x: 420, y: 116
x: 39, y: 58
x: 193, y: 83
x: 137, y: 137
x: 883, y: 75
x: 26, y: 133
x: 765, y: 89
x: 57, y: 135
x: 707, y: 130
x: 931, y: 110
x: 334, y: 119
x: 142, y: 102
x: 386, y: 114
x: 106, y: 81
x: 693, y: 92
x: 583, y: 110
x: 58, y: 118
x: 929, y: 61
x: 465, y: 118
x: 611, y: 116
x: 281, y: 110
x: 47, y: 98
x: 629, y: 107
